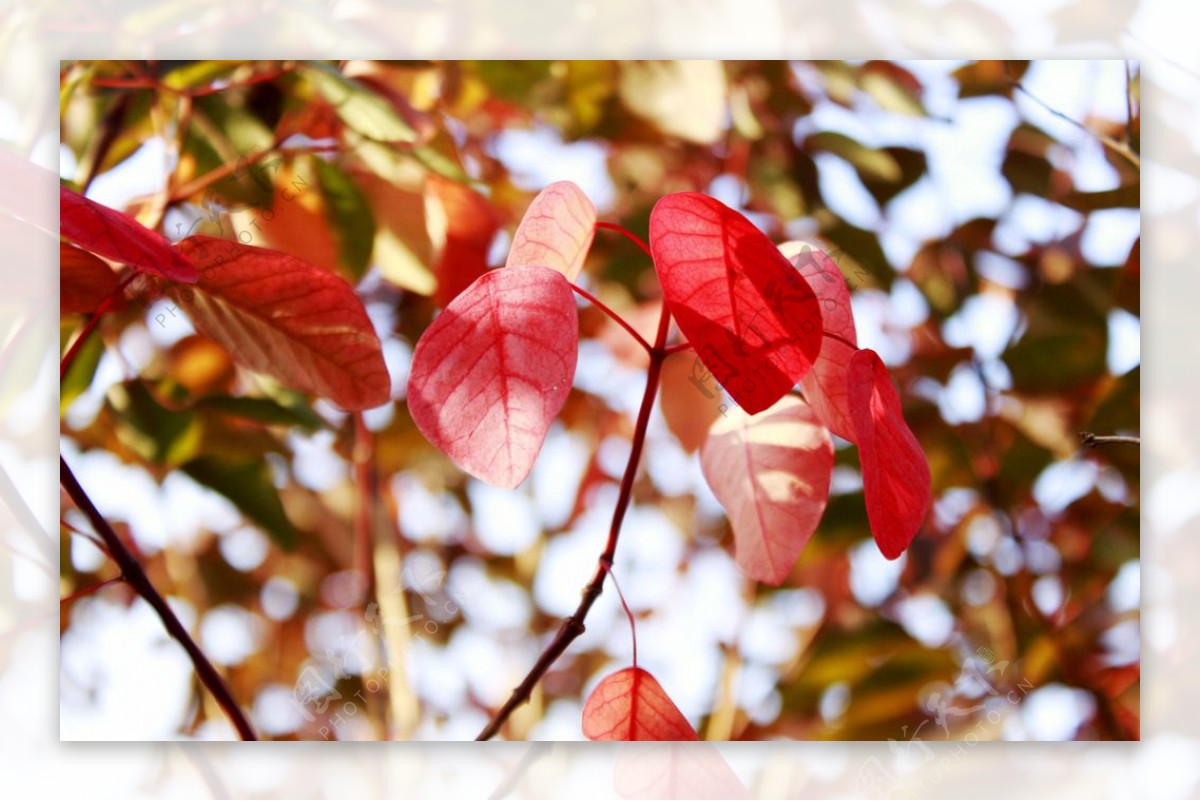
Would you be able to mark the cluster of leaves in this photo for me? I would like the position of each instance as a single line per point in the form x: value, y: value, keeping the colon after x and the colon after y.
x: 314, y: 192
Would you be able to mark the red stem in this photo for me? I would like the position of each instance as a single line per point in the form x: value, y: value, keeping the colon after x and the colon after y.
x: 630, y: 235
x: 69, y: 357
x: 573, y: 626
x: 132, y: 572
x: 618, y: 319
x: 85, y: 591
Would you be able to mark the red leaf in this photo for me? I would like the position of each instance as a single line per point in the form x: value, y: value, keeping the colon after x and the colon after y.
x: 494, y: 369
x: 631, y: 705
x: 556, y: 231
x: 289, y: 319
x: 119, y: 237
x: 754, y: 321
x: 470, y: 226
x: 825, y: 385
x: 673, y: 770
x: 84, y: 280
x: 771, y: 473
x: 896, y: 480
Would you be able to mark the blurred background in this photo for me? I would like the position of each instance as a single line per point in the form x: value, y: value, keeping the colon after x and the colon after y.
x: 985, y: 216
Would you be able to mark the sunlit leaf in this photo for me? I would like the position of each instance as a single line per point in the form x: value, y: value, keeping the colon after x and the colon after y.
x: 117, y: 236
x: 361, y: 109
x: 631, y: 705
x: 84, y: 281
x: 286, y: 318
x: 771, y: 472
x: 556, y: 231
x: 751, y: 317
x: 682, y: 98
x: 493, y: 370
x: 896, y: 479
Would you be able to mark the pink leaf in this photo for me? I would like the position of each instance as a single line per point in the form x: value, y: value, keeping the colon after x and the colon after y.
x: 754, y: 321
x: 825, y: 385
x: 557, y: 230
x: 675, y: 770
x: 494, y: 369
x: 631, y: 705
x: 289, y: 319
x: 896, y: 480
x: 771, y: 472
x: 119, y: 237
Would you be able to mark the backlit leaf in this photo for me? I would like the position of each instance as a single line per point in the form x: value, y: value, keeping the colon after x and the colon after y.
x: 825, y: 385
x: 556, y: 231
x: 896, y: 480
x: 671, y: 770
x: 771, y: 472
x: 751, y: 316
x: 289, y: 319
x: 682, y: 98
x: 117, y: 236
x: 631, y: 705
x: 361, y: 109
x: 493, y: 370
x: 84, y: 280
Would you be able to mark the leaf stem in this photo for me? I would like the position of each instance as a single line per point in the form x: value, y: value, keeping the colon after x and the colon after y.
x: 618, y: 319
x: 69, y: 357
x: 625, y: 232
x: 573, y: 626
x: 131, y: 571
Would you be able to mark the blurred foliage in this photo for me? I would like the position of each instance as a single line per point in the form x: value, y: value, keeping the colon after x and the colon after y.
x: 395, y: 175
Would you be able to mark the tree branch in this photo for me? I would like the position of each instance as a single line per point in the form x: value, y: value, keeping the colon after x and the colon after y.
x: 132, y: 572
x: 573, y: 626
x: 1091, y: 440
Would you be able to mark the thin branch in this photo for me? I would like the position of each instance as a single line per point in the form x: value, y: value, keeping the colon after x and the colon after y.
x: 88, y: 590
x: 132, y: 572
x: 1120, y: 148
x: 573, y: 626
x: 1091, y: 440
x: 618, y: 319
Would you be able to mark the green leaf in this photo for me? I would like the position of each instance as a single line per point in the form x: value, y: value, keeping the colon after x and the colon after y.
x: 357, y: 106
x: 159, y: 435
x: 349, y: 216
x: 247, y: 484
x: 263, y: 410
x: 870, y: 163
x: 1066, y: 340
x: 83, y: 369
x: 198, y: 73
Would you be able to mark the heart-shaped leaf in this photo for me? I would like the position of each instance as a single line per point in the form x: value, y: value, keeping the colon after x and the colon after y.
x: 494, y: 369
x: 752, y: 318
x: 771, y: 472
x: 84, y: 280
x: 113, y: 235
x: 896, y: 480
x: 631, y: 705
x: 825, y: 385
x: 556, y: 231
x: 289, y: 319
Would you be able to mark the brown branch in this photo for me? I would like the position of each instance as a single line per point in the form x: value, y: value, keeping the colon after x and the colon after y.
x: 573, y: 626
x: 131, y: 571
x: 1091, y: 440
